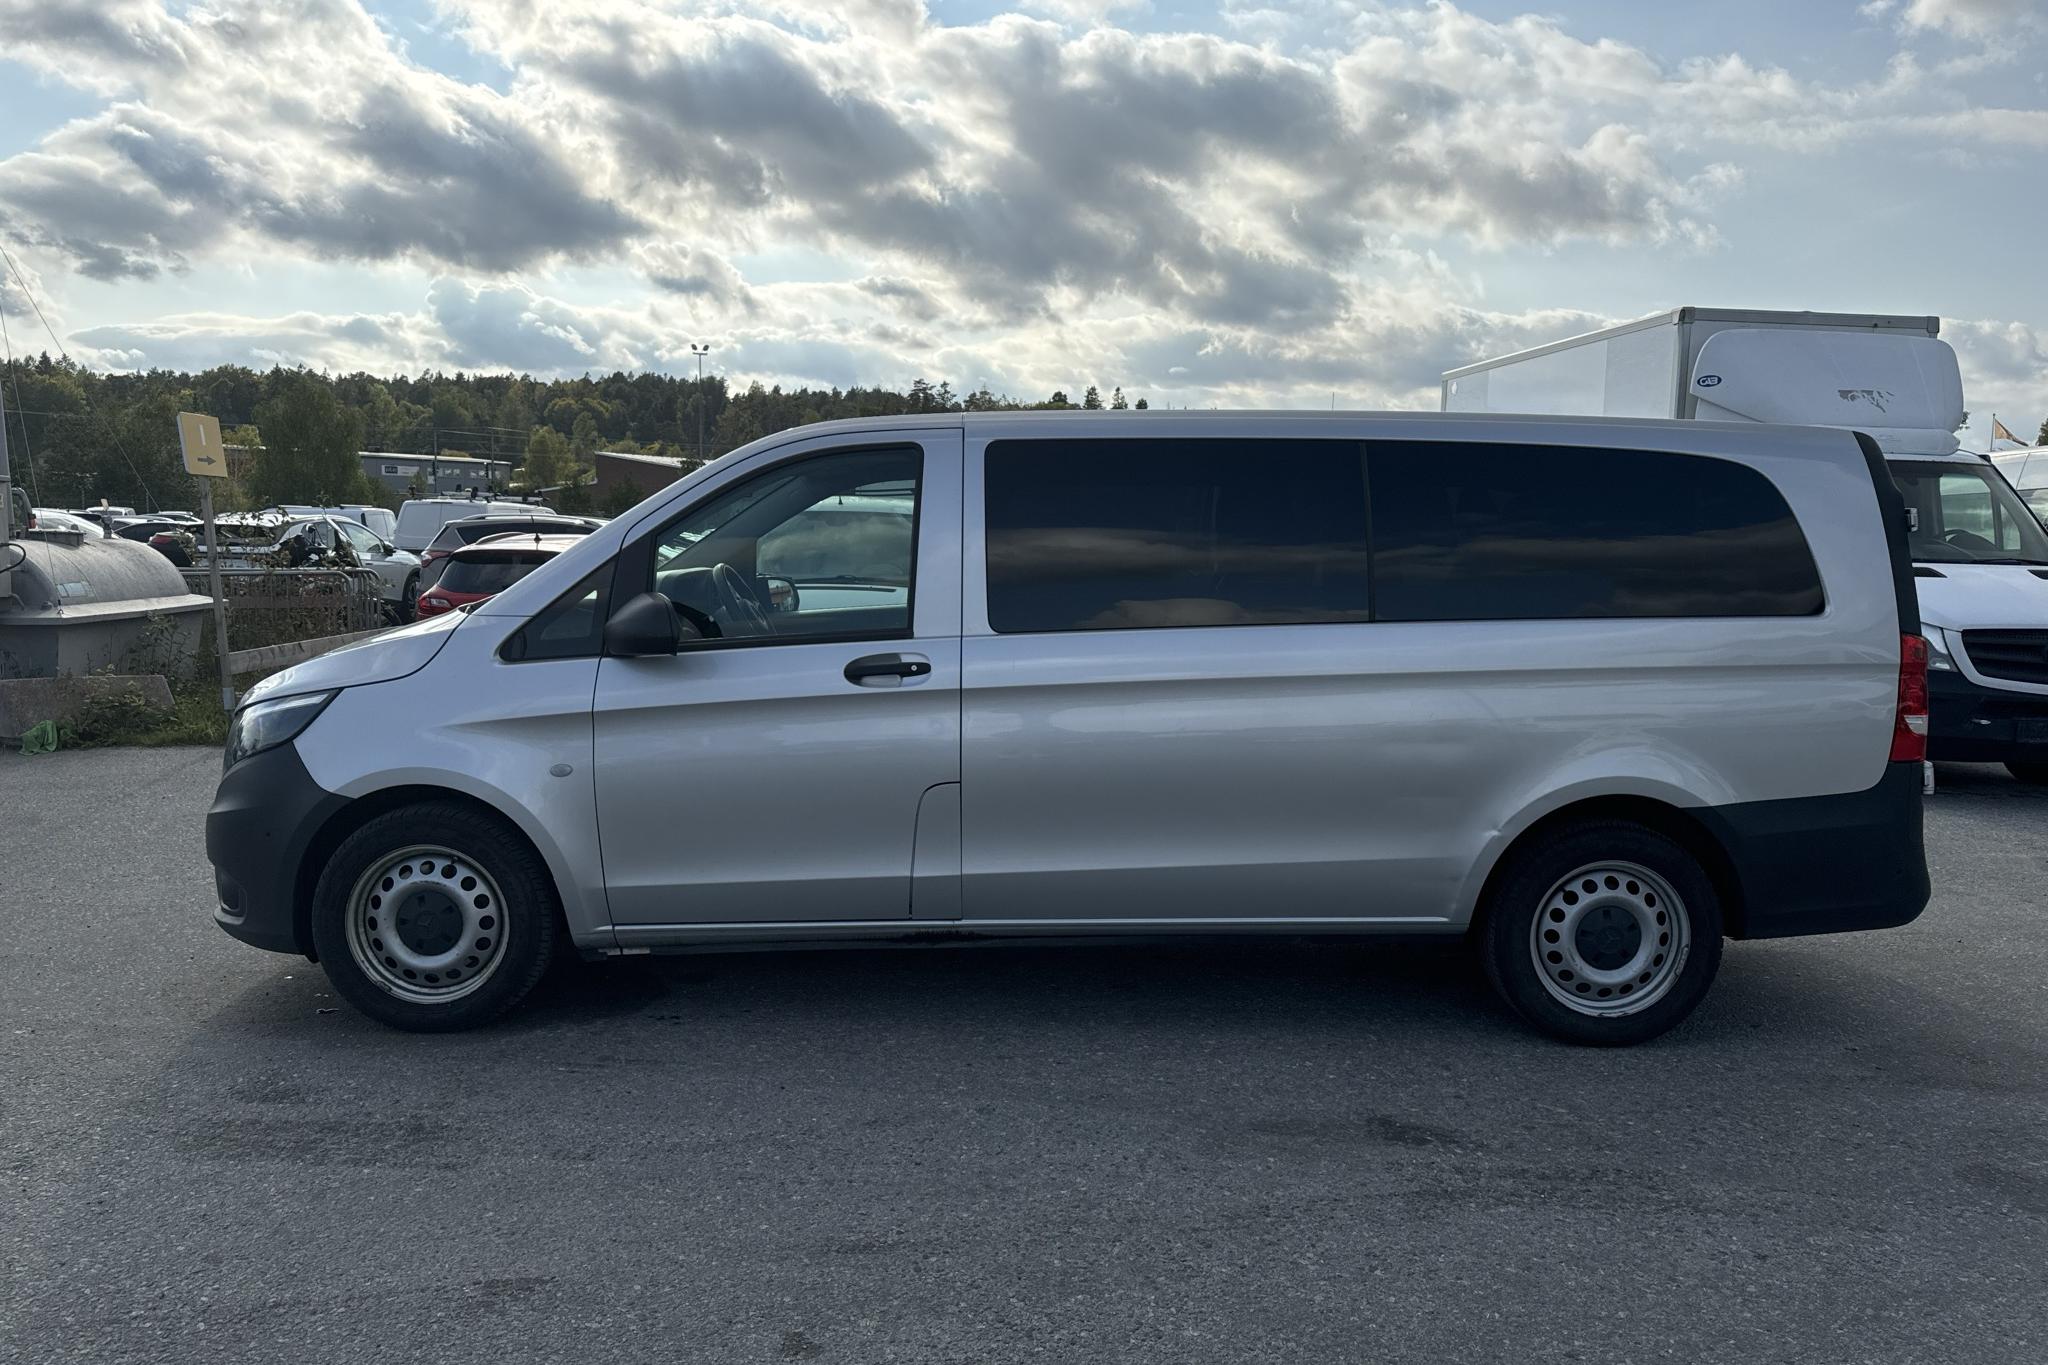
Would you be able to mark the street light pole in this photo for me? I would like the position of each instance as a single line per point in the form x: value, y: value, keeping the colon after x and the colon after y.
x: 700, y: 352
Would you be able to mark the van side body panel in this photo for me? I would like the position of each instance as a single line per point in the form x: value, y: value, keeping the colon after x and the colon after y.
x: 1378, y: 770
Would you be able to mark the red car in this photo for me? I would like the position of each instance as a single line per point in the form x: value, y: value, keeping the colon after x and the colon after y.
x: 485, y: 569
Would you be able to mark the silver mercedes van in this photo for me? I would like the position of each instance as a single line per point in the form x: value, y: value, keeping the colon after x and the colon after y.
x: 1593, y: 694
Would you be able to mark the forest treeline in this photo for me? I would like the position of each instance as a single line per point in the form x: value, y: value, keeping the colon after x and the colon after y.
x: 78, y: 435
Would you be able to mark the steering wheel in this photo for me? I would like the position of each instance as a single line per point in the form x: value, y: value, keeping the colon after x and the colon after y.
x: 741, y: 613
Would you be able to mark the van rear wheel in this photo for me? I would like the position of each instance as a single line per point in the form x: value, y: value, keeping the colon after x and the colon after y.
x: 1605, y: 933
x: 434, y: 917
x: 2035, y: 774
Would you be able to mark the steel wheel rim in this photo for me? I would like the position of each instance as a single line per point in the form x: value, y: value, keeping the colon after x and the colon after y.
x: 1610, y: 939
x: 426, y: 924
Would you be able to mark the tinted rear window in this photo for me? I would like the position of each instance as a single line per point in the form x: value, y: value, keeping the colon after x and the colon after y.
x: 1468, y: 532
x: 1106, y: 535
x: 492, y: 573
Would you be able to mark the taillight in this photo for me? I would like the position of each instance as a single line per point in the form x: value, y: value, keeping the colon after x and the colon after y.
x: 1909, y: 724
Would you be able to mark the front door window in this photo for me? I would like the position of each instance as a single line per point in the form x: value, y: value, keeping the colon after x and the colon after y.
x: 820, y: 549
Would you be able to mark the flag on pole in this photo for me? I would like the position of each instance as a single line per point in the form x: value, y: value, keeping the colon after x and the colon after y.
x: 2000, y: 433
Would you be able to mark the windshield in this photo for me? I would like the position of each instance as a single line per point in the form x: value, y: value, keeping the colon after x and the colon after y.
x: 1967, y: 514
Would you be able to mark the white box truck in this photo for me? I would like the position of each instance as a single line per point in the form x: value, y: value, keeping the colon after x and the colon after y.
x: 1980, y: 556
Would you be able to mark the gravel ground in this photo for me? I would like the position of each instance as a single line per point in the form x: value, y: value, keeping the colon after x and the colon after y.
x: 1266, y: 1153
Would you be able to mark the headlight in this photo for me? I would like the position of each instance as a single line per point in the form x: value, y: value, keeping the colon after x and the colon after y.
x: 1938, y: 655
x: 267, y: 724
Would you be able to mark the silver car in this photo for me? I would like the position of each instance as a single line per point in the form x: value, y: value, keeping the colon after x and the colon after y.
x: 1594, y: 695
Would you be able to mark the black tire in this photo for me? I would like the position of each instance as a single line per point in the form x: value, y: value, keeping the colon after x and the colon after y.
x: 2034, y: 774
x: 1531, y: 883
x: 409, y: 604
x: 525, y: 923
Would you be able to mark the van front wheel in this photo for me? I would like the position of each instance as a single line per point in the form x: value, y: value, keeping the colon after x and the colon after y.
x: 434, y: 917
x: 1606, y: 933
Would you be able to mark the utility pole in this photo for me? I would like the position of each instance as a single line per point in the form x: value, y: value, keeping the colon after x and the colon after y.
x: 6, y: 509
x: 700, y: 352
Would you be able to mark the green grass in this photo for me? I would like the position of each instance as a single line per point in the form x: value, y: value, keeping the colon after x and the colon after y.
x: 195, y: 717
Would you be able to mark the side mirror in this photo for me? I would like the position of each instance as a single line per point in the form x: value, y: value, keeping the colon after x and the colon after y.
x: 646, y: 627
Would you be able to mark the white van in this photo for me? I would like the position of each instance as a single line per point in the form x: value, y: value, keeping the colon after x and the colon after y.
x: 421, y: 519
x: 1981, y: 559
x: 2027, y: 471
x: 1594, y: 694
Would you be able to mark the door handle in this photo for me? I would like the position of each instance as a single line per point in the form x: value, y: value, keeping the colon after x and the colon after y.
x: 866, y: 670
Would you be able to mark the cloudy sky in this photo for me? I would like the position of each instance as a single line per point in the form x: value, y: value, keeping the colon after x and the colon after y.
x: 1205, y: 201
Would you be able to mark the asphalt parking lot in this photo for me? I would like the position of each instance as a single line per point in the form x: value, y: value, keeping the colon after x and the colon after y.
x: 1276, y: 1153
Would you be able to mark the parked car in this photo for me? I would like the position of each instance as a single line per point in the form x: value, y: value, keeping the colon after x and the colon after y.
x: 100, y: 514
x: 421, y: 519
x: 475, y: 573
x: 462, y: 531
x: 318, y: 539
x: 381, y: 522
x: 171, y: 539
x: 52, y: 519
x: 1589, y: 694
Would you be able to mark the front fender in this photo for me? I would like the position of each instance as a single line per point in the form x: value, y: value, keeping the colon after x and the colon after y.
x: 515, y: 737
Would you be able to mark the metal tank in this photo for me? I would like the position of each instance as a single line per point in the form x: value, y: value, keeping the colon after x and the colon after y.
x: 79, y: 603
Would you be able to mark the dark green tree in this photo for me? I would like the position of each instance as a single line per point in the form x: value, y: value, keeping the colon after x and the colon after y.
x: 549, y: 463
x: 1092, y: 400
x: 310, y: 444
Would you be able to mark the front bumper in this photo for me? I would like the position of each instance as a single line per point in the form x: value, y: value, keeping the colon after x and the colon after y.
x: 265, y: 815
x: 1971, y: 723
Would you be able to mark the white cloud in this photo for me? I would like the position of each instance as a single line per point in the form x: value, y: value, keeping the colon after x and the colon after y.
x: 2005, y: 371
x: 1974, y: 18
x: 1027, y: 202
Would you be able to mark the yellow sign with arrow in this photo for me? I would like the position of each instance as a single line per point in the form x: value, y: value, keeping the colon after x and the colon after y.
x: 199, y: 435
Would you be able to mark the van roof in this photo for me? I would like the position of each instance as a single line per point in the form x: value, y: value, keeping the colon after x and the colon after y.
x: 1184, y: 421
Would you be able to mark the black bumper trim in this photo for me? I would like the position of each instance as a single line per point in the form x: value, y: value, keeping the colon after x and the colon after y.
x: 264, y: 817
x: 1971, y: 723
x: 1827, y: 864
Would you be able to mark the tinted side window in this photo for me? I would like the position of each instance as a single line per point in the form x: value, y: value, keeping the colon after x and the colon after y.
x: 1506, y: 532
x: 1115, y: 534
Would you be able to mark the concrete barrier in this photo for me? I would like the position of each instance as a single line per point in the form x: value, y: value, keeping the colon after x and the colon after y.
x: 269, y: 658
